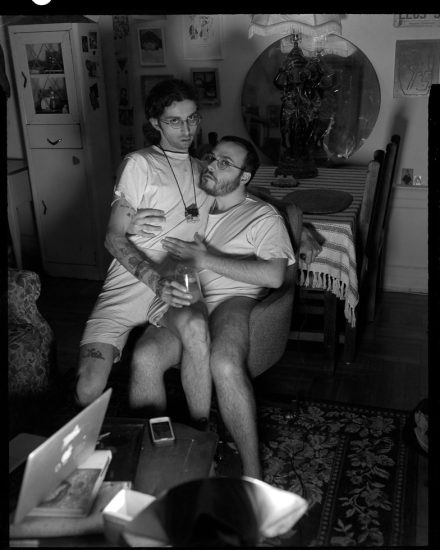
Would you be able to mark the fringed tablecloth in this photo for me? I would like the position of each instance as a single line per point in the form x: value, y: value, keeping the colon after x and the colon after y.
x: 334, y: 269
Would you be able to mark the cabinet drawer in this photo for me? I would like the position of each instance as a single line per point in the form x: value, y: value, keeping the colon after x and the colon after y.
x: 54, y: 136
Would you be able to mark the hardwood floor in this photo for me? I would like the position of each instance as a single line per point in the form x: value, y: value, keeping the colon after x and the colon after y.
x: 390, y: 369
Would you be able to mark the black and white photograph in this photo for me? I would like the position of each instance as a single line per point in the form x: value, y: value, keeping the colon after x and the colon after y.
x: 227, y: 222
x: 152, y: 47
x: 206, y: 83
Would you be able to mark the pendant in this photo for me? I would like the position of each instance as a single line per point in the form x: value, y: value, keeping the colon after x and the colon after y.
x: 192, y: 213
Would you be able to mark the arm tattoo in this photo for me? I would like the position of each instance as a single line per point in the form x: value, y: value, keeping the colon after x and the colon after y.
x: 92, y: 352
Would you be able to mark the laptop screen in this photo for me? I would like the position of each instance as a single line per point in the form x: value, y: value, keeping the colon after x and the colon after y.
x: 57, y: 457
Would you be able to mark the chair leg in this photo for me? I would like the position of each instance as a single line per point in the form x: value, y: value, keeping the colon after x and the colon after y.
x: 350, y: 344
x: 330, y: 332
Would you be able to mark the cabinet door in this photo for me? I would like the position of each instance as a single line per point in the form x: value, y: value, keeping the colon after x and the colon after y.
x: 45, y: 76
x: 62, y: 206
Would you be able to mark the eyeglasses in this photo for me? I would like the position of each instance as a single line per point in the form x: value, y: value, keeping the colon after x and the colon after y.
x: 177, y: 123
x: 221, y: 163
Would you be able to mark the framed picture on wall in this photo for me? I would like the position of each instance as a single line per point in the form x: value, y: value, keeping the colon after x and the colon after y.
x: 202, y: 36
x: 206, y: 83
x: 151, y: 42
x: 416, y: 67
x: 150, y: 80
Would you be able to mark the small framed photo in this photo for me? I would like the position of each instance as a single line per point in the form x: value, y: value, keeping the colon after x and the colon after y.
x: 206, y: 83
x: 150, y: 80
x: 151, y: 42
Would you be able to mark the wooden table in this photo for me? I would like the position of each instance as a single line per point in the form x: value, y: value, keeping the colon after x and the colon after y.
x: 334, y: 269
x: 190, y: 457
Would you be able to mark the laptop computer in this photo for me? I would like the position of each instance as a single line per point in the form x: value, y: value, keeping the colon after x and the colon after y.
x: 59, y: 455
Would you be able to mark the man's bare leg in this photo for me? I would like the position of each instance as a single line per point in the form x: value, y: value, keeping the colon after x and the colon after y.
x: 95, y: 364
x: 155, y: 352
x: 229, y: 324
x: 190, y: 325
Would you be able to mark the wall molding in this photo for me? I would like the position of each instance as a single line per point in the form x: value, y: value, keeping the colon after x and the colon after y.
x: 412, y: 279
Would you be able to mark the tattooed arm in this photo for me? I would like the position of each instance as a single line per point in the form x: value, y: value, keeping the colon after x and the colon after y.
x: 134, y: 260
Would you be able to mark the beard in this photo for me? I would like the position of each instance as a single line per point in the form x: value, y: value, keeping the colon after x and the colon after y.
x: 215, y: 188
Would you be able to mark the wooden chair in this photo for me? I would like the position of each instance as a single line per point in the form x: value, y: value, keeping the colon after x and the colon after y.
x: 379, y: 221
x: 373, y: 221
x: 324, y: 304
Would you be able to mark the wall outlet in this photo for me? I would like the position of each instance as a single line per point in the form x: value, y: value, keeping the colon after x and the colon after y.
x: 407, y: 176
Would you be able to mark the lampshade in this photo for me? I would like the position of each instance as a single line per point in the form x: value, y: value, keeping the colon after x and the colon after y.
x: 310, y: 24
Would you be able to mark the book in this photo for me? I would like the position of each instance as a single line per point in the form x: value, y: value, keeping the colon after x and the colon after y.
x: 53, y: 531
x: 74, y: 497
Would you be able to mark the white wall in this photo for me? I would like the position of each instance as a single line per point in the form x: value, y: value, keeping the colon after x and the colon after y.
x: 406, y: 254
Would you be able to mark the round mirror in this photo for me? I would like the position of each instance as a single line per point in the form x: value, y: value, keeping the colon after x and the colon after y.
x: 344, y: 98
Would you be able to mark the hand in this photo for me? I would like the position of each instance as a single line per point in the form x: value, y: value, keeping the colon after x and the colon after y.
x: 173, y: 293
x: 147, y: 222
x: 309, y: 247
x: 194, y: 252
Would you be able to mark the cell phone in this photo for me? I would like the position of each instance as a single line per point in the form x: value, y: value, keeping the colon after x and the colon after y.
x: 161, y: 430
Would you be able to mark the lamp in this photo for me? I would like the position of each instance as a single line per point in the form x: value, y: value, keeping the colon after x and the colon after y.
x: 311, y: 24
x: 303, y: 81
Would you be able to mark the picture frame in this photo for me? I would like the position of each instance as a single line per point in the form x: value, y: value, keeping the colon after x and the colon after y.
x: 151, y: 44
x: 148, y: 81
x: 206, y: 83
x: 416, y: 67
x: 202, y: 36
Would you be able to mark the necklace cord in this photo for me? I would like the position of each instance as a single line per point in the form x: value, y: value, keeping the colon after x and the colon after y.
x: 177, y: 182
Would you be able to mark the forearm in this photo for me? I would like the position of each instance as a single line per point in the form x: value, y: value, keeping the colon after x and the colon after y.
x: 132, y: 259
x: 266, y: 273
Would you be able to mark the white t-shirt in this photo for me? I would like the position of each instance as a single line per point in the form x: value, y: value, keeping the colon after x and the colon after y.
x: 252, y: 228
x: 147, y: 181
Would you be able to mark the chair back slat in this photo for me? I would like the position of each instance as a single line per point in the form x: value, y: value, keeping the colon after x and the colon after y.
x: 368, y: 197
x: 372, y: 260
x: 382, y: 197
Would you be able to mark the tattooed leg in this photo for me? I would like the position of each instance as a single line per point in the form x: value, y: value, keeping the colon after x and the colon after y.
x: 95, y: 363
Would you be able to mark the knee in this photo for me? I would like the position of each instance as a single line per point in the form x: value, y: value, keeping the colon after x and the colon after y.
x: 143, y: 353
x: 226, y: 369
x: 92, y: 374
x: 193, y: 327
x: 88, y: 389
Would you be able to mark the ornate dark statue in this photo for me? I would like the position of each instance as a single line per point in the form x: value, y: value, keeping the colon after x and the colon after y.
x: 303, y: 82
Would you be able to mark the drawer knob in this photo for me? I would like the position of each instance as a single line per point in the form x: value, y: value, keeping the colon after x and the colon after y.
x: 54, y: 142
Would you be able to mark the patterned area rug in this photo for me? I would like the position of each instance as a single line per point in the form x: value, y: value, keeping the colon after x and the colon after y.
x: 352, y: 466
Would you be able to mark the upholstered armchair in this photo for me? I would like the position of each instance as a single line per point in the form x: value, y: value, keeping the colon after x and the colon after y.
x: 30, y: 342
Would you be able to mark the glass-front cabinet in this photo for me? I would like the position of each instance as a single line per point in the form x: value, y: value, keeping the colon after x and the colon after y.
x: 63, y: 111
x: 47, y: 79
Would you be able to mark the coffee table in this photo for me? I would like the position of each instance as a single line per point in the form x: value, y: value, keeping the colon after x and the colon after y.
x: 190, y: 457
x: 158, y: 469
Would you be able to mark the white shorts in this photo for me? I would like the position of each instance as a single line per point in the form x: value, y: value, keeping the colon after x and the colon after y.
x: 124, y: 302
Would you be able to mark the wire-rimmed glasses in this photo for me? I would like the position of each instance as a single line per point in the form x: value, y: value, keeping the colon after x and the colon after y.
x: 177, y: 123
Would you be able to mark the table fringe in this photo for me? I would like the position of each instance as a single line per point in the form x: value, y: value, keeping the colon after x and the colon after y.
x: 324, y: 281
